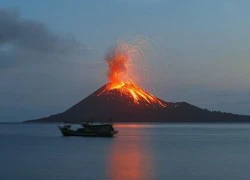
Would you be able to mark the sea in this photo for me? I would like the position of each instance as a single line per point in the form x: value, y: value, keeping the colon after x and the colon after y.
x: 138, y: 152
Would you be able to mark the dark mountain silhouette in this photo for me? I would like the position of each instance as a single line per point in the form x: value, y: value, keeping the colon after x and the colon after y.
x: 101, y: 107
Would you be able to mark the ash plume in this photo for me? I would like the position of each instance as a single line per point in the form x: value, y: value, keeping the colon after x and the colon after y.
x: 117, y: 60
x: 126, y: 63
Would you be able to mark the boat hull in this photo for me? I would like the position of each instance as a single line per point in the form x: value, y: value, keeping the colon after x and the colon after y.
x: 69, y: 132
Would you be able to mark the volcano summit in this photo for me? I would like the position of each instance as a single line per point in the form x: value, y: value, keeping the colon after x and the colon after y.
x: 123, y: 100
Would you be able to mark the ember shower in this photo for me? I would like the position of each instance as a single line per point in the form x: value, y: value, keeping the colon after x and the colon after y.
x: 123, y: 74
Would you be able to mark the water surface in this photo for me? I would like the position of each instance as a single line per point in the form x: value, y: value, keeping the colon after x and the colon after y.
x: 139, y: 151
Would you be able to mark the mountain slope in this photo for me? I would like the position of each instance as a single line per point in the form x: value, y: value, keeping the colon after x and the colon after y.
x: 113, y: 104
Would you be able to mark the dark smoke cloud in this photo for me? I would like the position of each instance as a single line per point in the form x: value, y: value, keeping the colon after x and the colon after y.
x: 38, y: 67
x: 27, y: 40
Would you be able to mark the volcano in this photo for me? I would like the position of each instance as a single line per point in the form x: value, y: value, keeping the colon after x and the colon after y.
x: 123, y: 100
x: 107, y: 102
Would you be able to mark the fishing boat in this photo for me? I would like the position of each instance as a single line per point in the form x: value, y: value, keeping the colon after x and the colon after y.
x: 89, y: 130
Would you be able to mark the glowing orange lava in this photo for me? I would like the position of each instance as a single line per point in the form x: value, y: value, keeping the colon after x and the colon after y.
x: 122, y: 74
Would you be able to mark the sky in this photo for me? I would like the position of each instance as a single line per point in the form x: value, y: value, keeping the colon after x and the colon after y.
x: 52, y: 52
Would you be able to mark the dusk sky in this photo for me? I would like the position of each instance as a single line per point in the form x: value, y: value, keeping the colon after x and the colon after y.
x: 52, y: 52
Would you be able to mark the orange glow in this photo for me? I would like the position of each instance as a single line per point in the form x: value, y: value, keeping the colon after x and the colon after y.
x: 136, y: 93
x: 130, y: 159
x: 122, y: 75
x: 134, y: 125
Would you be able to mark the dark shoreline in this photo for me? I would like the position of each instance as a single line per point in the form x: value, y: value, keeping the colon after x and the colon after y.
x: 144, y: 122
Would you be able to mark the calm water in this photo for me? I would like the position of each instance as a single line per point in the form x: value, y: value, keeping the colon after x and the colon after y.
x: 139, y: 151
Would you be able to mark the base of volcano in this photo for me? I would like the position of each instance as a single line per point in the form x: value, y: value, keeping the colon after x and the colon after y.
x: 113, y: 104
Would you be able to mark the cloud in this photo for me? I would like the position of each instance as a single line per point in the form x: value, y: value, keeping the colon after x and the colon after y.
x: 41, y: 71
x: 23, y: 40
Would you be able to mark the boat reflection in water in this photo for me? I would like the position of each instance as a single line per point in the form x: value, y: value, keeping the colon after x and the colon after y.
x: 129, y: 156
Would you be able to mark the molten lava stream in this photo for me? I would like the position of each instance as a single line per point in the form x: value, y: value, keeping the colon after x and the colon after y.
x: 134, y: 92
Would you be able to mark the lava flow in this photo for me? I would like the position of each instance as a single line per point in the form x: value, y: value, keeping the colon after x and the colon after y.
x: 122, y: 75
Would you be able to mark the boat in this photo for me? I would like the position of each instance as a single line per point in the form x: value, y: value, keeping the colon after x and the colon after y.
x: 89, y: 130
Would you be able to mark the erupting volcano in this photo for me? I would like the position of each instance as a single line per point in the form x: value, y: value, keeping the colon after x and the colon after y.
x: 121, y: 74
x: 124, y: 100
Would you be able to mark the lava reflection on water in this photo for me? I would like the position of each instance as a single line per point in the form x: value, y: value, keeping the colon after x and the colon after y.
x: 130, y: 157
